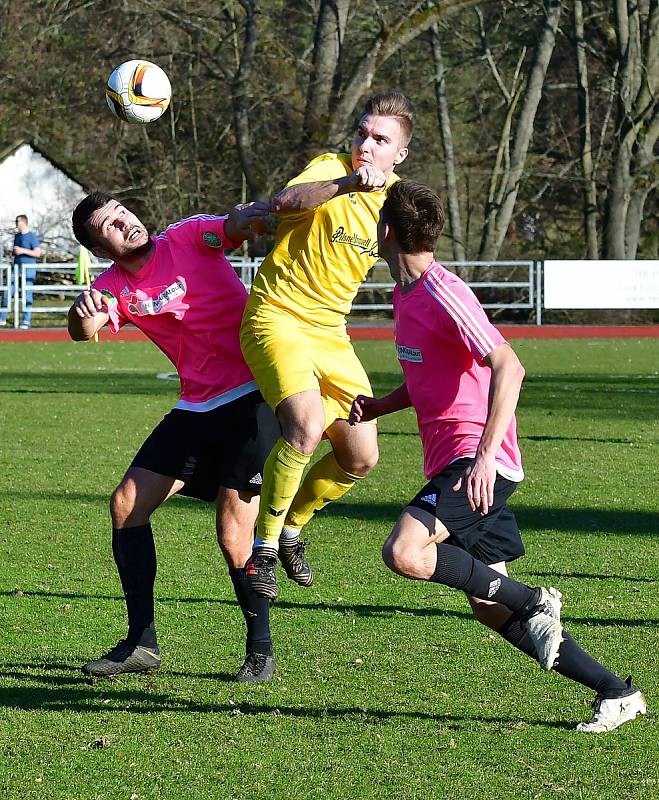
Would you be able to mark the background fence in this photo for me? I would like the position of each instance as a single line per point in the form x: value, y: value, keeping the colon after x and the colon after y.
x: 501, y: 285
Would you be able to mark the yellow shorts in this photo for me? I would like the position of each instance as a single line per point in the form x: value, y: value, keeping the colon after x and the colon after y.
x: 287, y: 356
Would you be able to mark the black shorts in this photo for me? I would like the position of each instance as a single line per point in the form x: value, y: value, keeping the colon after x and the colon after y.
x: 491, y: 538
x: 209, y: 449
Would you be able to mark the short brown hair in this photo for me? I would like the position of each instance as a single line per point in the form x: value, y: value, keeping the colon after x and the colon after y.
x: 393, y: 104
x: 416, y: 214
x: 81, y: 214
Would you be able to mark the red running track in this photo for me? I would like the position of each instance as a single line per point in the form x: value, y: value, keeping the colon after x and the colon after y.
x: 380, y: 332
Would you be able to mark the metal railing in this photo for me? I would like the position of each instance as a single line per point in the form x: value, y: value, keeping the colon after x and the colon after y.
x: 527, y: 286
x: 523, y: 282
x: 40, y: 290
x: 8, y: 297
x: 527, y: 289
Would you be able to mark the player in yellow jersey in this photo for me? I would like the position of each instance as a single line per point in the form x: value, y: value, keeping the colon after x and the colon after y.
x: 294, y: 336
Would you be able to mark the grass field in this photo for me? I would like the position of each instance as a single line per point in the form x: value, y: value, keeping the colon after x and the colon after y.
x: 385, y: 688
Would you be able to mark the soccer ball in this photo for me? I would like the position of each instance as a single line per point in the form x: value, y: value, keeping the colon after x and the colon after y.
x: 138, y: 91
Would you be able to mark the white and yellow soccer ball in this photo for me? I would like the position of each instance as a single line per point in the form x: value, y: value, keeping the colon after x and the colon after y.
x: 138, y: 91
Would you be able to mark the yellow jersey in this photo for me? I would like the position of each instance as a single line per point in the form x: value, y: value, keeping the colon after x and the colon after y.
x: 321, y: 256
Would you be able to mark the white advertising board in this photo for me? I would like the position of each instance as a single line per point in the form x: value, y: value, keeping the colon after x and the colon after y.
x: 601, y: 284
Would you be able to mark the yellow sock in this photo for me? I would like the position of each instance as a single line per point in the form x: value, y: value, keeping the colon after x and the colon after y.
x: 282, y: 474
x: 325, y: 482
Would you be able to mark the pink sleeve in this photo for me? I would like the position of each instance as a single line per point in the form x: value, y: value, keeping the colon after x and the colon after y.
x: 467, y: 314
x: 106, y: 285
x: 215, y: 225
x: 205, y: 230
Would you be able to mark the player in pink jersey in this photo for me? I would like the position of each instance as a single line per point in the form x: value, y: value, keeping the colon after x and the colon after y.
x: 181, y: 291
x: 463, y: 380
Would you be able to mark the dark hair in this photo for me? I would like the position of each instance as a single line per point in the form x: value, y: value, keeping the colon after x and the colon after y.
x: 416, y: 214
x: 393, y: 104
x: 81, y: 214
x: 23, y: 217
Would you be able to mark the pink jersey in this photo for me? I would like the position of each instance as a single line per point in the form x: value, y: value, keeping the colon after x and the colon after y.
x: 189, y: 301
x: 442, y: 336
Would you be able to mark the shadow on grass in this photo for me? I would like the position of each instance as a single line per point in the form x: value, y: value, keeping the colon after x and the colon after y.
x: 45, y: 673
x: 522, y: 438
x: 73, y: 497
x: 587, y: 520
x: 77, y: 694
x: 356, y: 609
x: 101, y: 382
x: 592, y: 576
x: 102, y: 499
x: 530, y: 518
x: 598, y: 439
x: 602, y: 440
x: 580, y: 395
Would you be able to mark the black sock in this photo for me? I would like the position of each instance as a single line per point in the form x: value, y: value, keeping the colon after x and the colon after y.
x: 135, y: 556
x: 256, y: 611
x: 456, y: 568
x: 572, y: 662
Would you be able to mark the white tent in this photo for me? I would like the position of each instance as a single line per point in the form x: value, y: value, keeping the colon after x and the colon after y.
x: 35, y: 185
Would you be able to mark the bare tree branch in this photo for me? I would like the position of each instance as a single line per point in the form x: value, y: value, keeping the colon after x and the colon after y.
x: 459, y: 252
x: 325, y: 81
x: 500, y: 214
x: 388, y: 41
x: 240, y: 94
x: 487, y: 54
x: 583, y: 98
x: 636, y: 129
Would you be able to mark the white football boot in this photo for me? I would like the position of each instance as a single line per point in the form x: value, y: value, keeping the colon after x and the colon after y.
x: 611, y: 713
x: 544, y: 626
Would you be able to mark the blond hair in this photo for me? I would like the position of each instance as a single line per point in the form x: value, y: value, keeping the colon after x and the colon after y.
x: 393, y: 104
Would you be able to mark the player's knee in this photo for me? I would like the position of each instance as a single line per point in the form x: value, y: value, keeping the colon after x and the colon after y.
x: 234, y: 540
x: 124, y: 507
x: 302, y: 424
x: 362, y: 462
x: 304, y: 435
x: 388, y: 556
x: 372, y: 460
x: 122, y: 504
x: 401, y: 559
x: 234, y: 551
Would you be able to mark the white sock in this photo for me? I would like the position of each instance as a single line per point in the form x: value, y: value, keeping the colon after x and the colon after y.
x: 289, y: 535
x: 262, y: 544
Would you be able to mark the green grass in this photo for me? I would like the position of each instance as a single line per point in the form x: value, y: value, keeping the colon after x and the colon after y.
x: 385, y: 688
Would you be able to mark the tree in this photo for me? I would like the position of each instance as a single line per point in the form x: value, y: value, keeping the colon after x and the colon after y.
x: 586, y: 148
x: 457, y: 233
x: 510, y: 162
x: 633, y: 173
x: 260, y: 87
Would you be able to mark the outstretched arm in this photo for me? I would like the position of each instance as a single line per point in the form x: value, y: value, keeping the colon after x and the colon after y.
x: 246, y: 221
x: 305, y: 196
x: 505, y: 384
x: 365, y: 408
